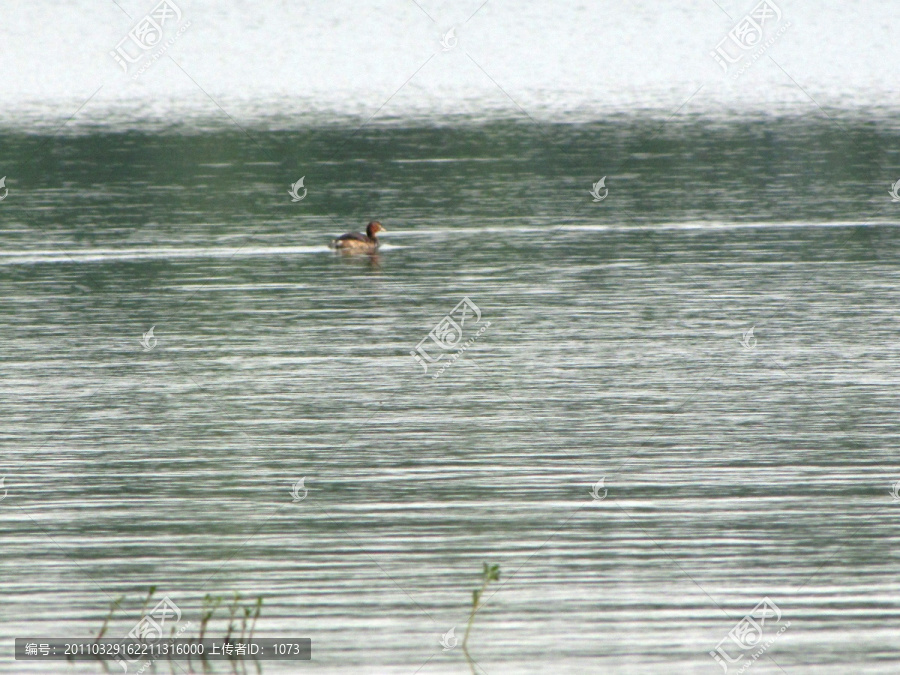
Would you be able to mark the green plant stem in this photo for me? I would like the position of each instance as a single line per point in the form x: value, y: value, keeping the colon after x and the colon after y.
x: 206, y: 614
x: 247, y: 611
x: 232, y: 612
x: 476, y: 605
x: 259, y: 602
x: 147, y: 600
x: 112, y: 608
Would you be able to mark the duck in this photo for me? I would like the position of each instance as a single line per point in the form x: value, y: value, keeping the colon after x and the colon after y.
x: 356, y: 242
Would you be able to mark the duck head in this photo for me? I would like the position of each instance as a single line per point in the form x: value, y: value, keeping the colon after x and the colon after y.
x: 374, y: 228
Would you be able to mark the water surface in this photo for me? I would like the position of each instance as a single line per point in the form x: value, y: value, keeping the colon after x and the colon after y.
x: 734, y: 471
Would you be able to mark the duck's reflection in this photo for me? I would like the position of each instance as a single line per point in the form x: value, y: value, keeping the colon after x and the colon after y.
x: 370, y: 260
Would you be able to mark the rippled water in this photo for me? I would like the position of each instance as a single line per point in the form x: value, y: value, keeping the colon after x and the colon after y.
x: 736, y: 466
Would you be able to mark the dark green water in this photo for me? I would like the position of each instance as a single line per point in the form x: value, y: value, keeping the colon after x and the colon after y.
x: 734, y: 472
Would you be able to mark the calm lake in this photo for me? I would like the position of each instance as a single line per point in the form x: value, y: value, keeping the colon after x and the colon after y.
x: 611, y: 341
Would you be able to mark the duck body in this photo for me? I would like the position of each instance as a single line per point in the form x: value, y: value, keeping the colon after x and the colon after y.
x: 356, y: 242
